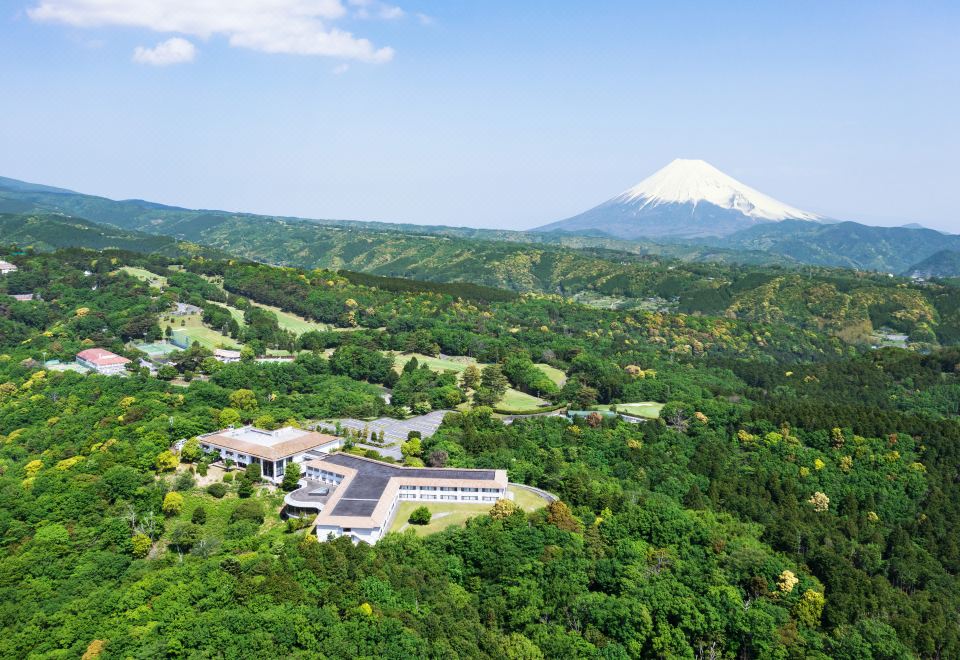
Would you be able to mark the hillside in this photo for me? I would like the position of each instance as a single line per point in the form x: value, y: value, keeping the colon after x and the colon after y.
x: 945, y: 263
x: 796, y: 495
x: 50, y: 232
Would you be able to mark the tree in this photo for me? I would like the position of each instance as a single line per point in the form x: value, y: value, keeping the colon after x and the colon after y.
x: 411, y: 448
x: 809, y: 608
x: 559, y: 515
x: 230, y: 417
x: 184, y: 535
x: 254, y: 473
x: 470, y: 378
x: 420, y: 516
x: 492, y: 379
x: 166, y: 372
x: 291, y: 477
x: 140, y: 544
x: 199, y: 516
x: 504, y: 508
x: 172, y: 503
x: 244, y: 400
x: 191, y: 451
x: 438, y: 458
x: 166, y: 461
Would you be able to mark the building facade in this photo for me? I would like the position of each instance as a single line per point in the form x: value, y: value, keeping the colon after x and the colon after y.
x: 272, y: 450
x: 7, y: 267
x: 102, y: 361
x: 367, y: 493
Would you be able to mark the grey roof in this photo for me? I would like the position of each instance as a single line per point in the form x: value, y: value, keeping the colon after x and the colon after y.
x: 361, y: 496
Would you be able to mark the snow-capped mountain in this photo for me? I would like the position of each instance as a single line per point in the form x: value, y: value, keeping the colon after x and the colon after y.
x: 685, y: 199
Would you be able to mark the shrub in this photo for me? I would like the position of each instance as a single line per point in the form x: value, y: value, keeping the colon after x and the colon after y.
x: 420, y: 516
x: 250, y: 510
x: 184, y: 535
x: 218, y: 490
x: 228, y: 478
x: 199, y: 516
x: 141, y: 544
x: 172, y: 503
x: 184, y: 481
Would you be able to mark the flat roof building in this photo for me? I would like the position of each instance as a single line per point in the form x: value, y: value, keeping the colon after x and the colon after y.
x: 367, y: 492
x: 226, y: 356
x: 7, y: 267
x: 273, y: 450
x: 102, y: 361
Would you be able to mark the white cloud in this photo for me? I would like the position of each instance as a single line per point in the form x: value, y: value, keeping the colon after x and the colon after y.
x: 376, y: 9
x: 341, y: 69
x: 171, y: 51
x: 425, y: 19
x: 295, y: 27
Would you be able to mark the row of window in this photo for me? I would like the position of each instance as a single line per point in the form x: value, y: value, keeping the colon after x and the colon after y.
x: 452, y: 489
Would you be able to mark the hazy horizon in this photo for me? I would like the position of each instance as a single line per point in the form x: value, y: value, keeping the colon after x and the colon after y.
x: 497, y: 116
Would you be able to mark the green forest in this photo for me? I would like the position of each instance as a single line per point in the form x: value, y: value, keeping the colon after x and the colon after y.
x: 797, y: 497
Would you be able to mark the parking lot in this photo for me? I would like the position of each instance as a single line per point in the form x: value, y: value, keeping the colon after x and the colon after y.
x: 395, y: 431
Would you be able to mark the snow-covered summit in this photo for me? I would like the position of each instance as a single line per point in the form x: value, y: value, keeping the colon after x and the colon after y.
x: 686, y: 181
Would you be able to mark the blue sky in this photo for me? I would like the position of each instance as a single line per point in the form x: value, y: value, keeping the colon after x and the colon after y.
x: 486, y: 113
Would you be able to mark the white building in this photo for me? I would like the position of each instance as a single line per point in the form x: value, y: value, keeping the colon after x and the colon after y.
x: 226, y: 356
x: 367, y: 492
x: 102, y: 361
x: 7, y: 267
x: 22, y: 297
x: 273, y: 450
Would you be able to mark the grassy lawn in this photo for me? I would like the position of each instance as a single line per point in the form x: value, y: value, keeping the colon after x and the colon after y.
x: 527, y: 500
x: 648, y: 409
x: 295, y: 324
x: 554, y: 374
x: 158, y: 281
x: 194, y: 327
x: 517, y: 400
x: 446, y: 514
x: 513, y: 399
x: 457, y: 364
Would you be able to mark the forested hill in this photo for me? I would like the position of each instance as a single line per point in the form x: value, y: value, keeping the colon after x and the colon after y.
x: 796, y: 498
x: 858, y: 307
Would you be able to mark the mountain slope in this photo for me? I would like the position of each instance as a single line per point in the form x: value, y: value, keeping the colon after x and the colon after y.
x: 686, y: 199
x: 945, y: 263
x: 843, y: 244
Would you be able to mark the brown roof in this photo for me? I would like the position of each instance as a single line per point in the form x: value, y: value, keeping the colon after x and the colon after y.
x: 273, y: 447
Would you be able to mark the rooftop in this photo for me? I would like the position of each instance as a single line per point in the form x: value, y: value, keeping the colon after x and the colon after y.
x: 101, y: 357
x: 270, y: 445
x: 364, y: 496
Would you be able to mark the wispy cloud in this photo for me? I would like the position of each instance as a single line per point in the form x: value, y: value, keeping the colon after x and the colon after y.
x: 376, y: 10
x: 171, y: 51
x: 295, y: 27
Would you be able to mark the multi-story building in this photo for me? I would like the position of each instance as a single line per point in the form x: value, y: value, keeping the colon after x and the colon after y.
x: 7, y: 267
x: 273, y: 450
x: 366, y: 493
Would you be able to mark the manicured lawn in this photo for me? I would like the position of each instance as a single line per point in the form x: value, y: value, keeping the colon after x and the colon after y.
x: 457, y: 364
x: 554, y: 374
x: 197, y: 331
x: 526, y: 500
x: 520, y: 401
x: 153, y: 279
x: 446, y: 514
x: 295, y: 324
x: 648, y: 409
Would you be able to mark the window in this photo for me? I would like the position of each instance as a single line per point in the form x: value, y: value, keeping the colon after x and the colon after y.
x: 448, y: 497
x: 448, y: 488
x: 469, y: 498
x: 428, y: 497
x: 469, y: 490
x: 428, y: 487
x: 489, y: 499
x: 407, y: 496
x: 491, y: 490
x: 408, y: 487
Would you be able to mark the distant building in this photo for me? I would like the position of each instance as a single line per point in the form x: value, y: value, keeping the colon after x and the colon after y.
x: 367, y: 492
x: 184, y: 309
x: 22, y: 297
x: 102, y: 361
x: 226, y: 356
x: 273, y: 450
x: 7, y: 267
x: 276, y: 358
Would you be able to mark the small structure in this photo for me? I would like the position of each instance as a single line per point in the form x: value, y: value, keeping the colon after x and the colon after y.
x: 185, y: 309
x: 364, y: 502
x: 102, y: 361
x: 226, y: 356
x: 273, y: 450
x: 276, y: 358
x: 7, y: 267
x: 22, y: 297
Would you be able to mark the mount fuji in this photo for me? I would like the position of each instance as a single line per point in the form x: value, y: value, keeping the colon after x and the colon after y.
x: 685, y: 199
